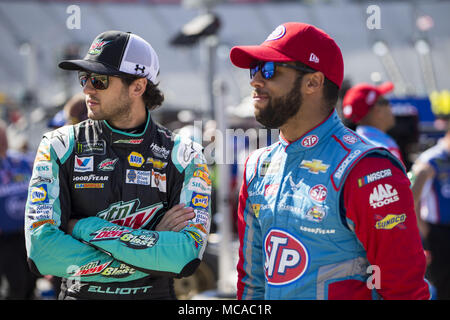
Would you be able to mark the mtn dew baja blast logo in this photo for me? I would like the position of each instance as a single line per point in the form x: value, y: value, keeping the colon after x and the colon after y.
x: 97, y: 46
x: 129, y: 214
x: 107, y: 164
x: 286, y: 258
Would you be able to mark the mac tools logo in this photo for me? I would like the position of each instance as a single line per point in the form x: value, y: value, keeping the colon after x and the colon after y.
x: 286, y: 258
x: 383, y: 194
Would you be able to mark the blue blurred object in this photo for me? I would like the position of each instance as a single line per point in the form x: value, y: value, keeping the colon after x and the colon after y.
x: 58, y: 120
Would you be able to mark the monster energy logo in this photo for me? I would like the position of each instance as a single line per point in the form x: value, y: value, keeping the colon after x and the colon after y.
x: 90, y: 148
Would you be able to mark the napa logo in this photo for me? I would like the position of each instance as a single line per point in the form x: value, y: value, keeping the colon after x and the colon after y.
x: 136, y: 159
x: 199, y: 200
x: 39, y: 194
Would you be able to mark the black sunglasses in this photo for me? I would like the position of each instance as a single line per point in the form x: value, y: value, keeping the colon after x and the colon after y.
x: 98, y: 81
x: 267, y: 69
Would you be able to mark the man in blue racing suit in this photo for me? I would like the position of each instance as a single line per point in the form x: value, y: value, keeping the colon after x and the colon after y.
x: 117, y: 205
x: 322, y: 214
x: 366, y: 106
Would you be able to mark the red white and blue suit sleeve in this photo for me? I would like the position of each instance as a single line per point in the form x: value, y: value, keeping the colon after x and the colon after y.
x: 380, y: 208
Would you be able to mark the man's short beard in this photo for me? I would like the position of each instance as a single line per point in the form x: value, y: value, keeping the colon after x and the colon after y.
x: 279, y: 110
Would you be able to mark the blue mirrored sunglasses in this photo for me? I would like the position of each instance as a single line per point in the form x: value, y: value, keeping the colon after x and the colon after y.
x: 267, y: 69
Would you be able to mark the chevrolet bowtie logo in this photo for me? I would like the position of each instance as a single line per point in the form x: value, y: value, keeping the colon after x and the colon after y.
x: 314, y: 166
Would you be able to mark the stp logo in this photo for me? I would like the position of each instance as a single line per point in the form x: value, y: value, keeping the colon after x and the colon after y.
x: 310, y: 141
x: 318, y: 192
x: 286, y: 258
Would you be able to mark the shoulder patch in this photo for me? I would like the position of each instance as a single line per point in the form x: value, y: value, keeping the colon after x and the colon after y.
x: 185, y: 151
x: 61, y: 141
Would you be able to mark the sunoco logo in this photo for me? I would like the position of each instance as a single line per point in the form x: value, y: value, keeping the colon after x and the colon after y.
x: 383, y: 194
x: 391, y: 221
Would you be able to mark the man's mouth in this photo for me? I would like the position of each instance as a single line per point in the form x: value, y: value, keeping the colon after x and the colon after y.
x: 91, y: 102
x: 259, y: 96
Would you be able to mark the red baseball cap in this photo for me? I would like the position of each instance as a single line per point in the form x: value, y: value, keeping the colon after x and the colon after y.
x: 359, y: 99
x: 294, y: 41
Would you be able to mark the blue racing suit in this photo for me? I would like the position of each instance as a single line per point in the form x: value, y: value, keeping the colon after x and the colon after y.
x: 435, y: 200
x: 296, y: 240
x: 379, y: 138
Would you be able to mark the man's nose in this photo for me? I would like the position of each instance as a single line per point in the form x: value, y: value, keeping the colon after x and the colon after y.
x: 257, y: 81
x: 88, y: 88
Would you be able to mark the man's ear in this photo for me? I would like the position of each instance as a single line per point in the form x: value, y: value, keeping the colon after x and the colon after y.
x: 314, y: 82
x: 137, y: 88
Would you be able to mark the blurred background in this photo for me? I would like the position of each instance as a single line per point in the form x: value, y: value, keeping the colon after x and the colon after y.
x: 406, y: 42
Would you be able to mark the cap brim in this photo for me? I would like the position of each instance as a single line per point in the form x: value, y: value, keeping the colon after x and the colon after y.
x: 246, y: 56
x: 385, y: 87
x: 87, y: 65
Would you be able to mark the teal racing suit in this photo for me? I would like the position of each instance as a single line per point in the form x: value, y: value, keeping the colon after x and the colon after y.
x: 119, y: 185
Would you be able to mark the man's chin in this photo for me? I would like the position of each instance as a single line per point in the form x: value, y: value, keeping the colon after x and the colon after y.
x: 93, y: 116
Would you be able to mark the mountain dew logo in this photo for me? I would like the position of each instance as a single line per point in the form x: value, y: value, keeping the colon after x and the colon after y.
x: 97, y: 46
x: 128, y: 214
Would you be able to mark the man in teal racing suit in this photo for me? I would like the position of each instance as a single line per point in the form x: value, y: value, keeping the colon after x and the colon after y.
x: 117, y: 205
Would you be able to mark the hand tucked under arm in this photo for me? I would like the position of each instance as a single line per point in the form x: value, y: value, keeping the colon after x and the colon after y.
x: 176, y: 218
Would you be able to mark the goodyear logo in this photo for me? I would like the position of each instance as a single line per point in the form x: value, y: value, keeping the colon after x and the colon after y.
x: 390, y: 221
x: 135, y: 159
x: 200, y: 201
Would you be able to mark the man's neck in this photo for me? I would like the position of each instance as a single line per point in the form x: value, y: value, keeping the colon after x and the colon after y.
x: 301, y: 123
x: 136, y: 117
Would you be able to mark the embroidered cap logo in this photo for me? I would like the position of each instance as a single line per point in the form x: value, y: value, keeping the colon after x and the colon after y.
x: 97, y: 46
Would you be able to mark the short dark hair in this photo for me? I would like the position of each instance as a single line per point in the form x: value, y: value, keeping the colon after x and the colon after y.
x: 330, y: 89
x: 153, y: 97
